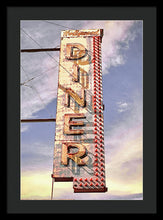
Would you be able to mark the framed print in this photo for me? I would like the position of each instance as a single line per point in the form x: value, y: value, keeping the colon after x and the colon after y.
x: 81, y: 88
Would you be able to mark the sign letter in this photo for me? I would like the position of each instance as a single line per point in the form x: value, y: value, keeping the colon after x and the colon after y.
x: 73, y: 156
x: 75, y: 51
x: 68, y: 123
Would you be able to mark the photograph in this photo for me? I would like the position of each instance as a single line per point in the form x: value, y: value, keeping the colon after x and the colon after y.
x: 81, y: 109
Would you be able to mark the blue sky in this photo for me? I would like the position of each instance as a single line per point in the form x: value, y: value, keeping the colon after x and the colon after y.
x: 122, y: 55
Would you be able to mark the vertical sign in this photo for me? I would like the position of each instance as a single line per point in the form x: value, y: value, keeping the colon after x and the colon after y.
x: 79, y: 135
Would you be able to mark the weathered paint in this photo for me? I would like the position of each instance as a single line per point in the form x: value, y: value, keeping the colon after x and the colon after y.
x: 79, y: 136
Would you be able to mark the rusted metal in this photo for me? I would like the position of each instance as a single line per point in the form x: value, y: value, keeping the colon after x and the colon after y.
x: 79, y: 148
x: 69, y: 123
x: 39, y: 120
x: 93, y: 190
x: 82, y: 33
x: 63, y: 179
x: 39, y: 50
x: 52, y: 189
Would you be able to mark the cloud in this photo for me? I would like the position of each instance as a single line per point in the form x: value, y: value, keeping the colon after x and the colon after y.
x: 24, y: 127
x: 117, y: 36
x: 42, y: 90
x: 123, y: 140
x: 39, y: 92
x: 37, y: 186
x: 42, y: 67
x: 124, y: 150
x: 123, y: 158
x: 122, y: 106
x: 36, y: 156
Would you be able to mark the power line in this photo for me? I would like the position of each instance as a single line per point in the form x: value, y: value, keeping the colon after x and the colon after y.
x: 38, y: 44
x: 56, y: 24
x: 22, y: 84
x: 31, y: 37
x: 52, y: 57
x: 34, y: 89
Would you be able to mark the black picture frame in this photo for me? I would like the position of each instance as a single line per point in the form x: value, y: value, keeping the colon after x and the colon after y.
x: 149, y: 16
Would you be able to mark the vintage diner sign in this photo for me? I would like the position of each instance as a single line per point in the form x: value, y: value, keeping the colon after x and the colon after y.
x: 79, y: 138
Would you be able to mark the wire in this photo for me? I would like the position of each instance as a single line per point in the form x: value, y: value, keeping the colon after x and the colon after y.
x: 56, y: 24
x: 52, y: 57
x: 31, y: 38
x: 34, y: 89
x: 37, y: 75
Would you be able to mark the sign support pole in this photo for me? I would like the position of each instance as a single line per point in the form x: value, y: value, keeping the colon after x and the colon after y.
x: 52, y: 188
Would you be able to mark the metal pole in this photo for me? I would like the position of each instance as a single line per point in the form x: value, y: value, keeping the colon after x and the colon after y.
x: 52, y: 188
x: 39, y: 50
x: 39, y: 120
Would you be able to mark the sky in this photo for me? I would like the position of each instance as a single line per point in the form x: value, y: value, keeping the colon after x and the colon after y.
x: 122, y: 68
